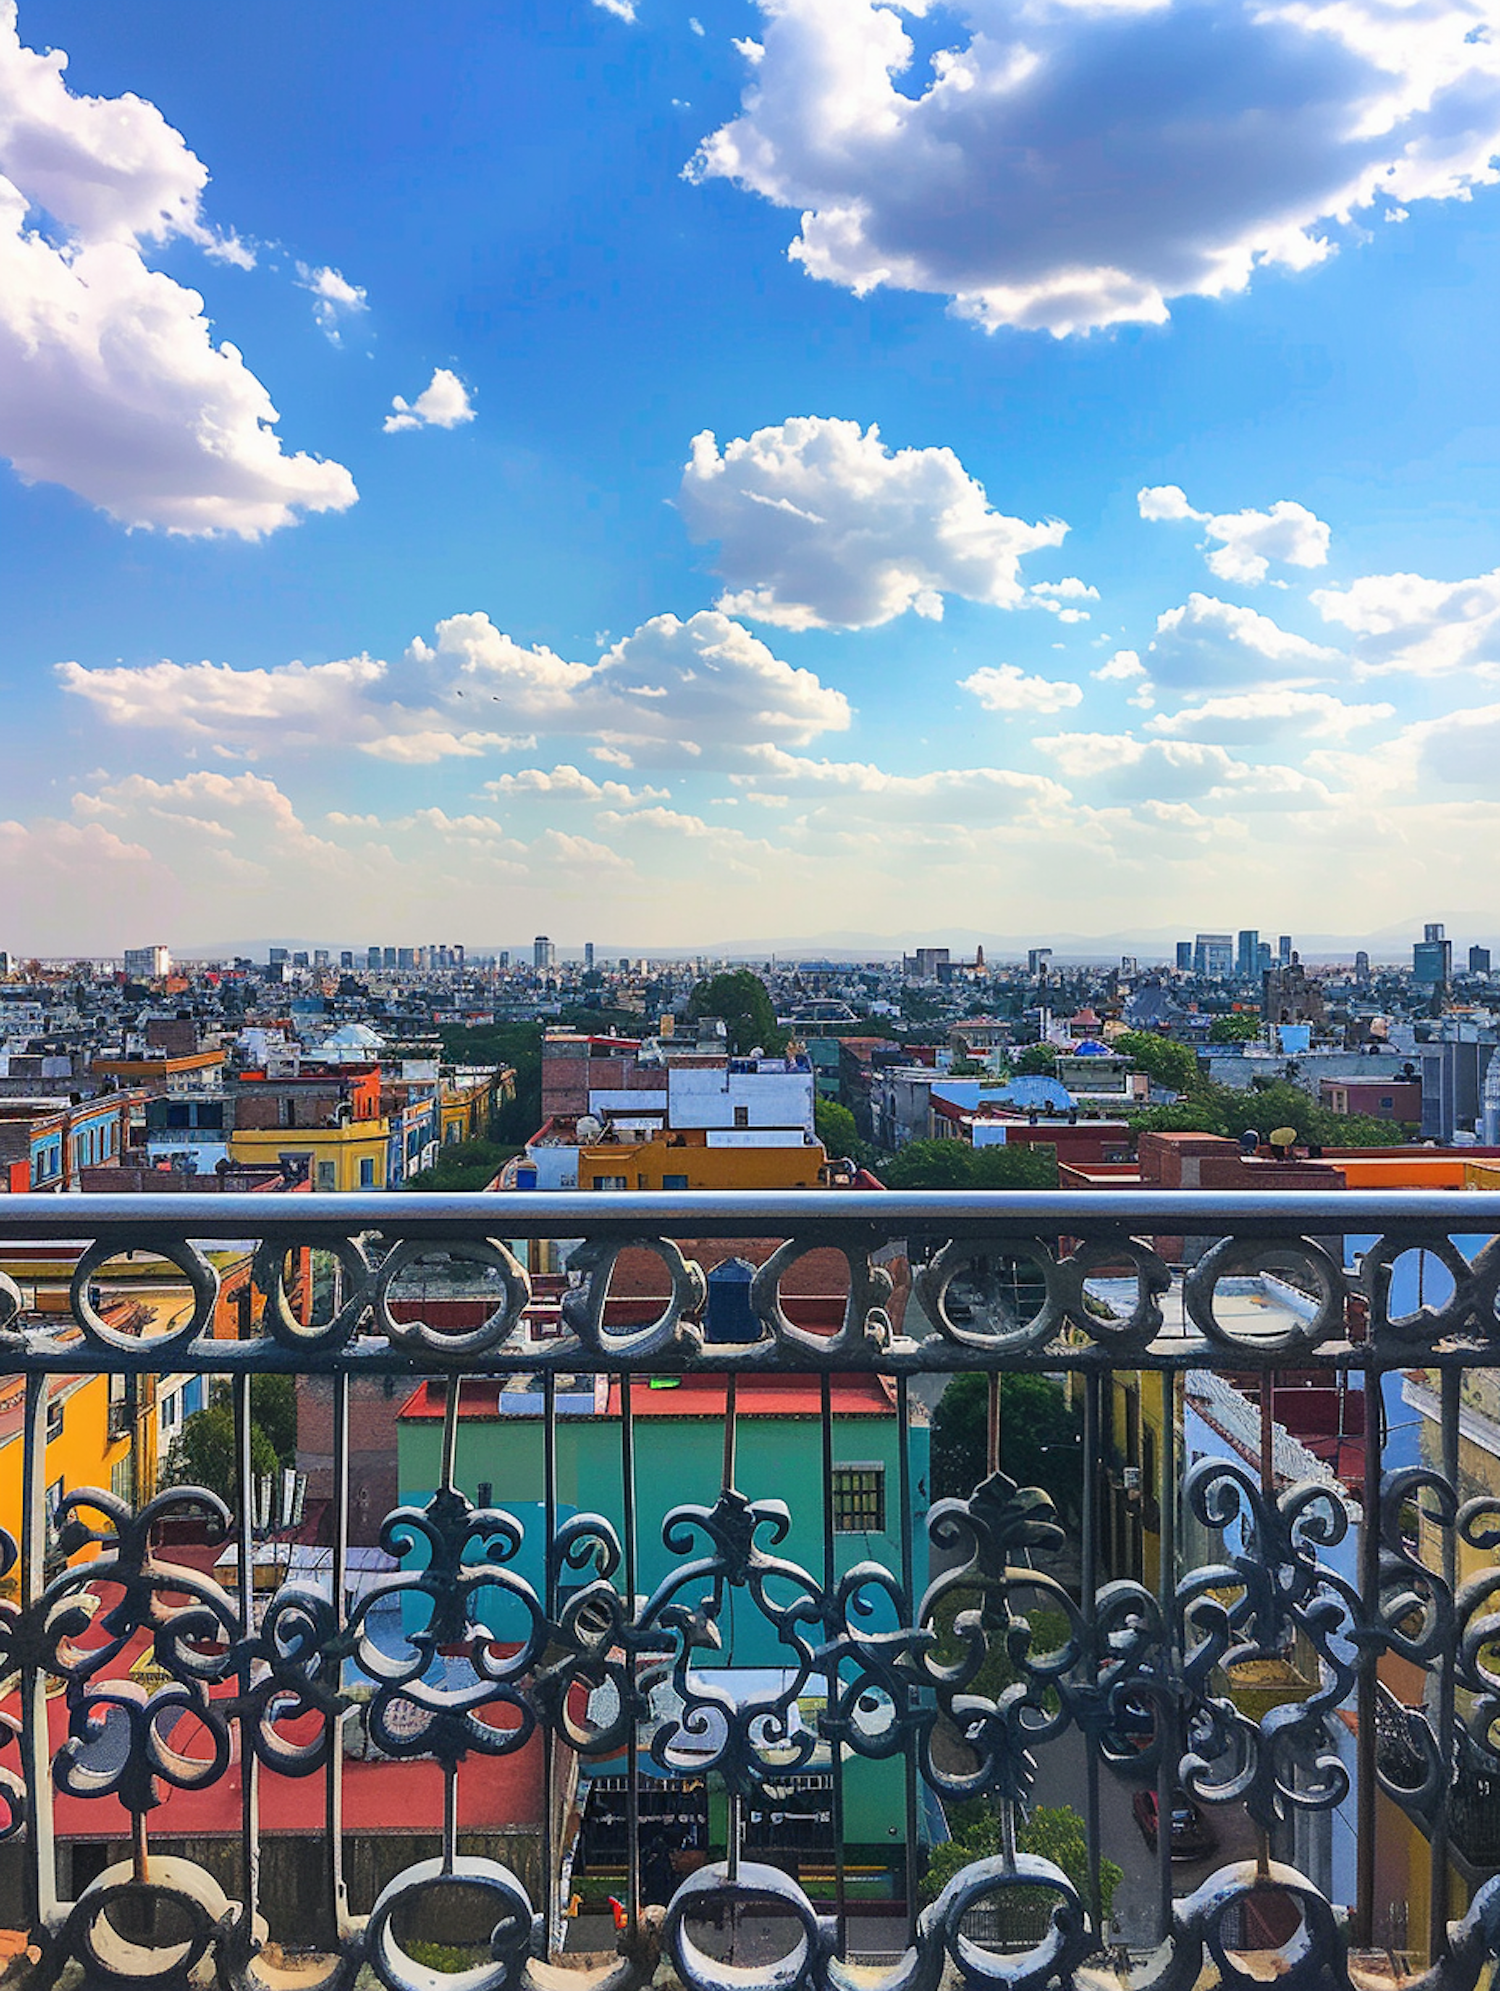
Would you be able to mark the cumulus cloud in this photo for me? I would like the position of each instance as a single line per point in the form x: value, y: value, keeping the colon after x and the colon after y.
x: 442, y: 404
x: 858, y: 788
x: 1248, y: 541
x: 1274, y: 713
x: 673, y: 692
x: 1122, y: 668
x: 1208, y: 642
x: 1007, y: 688
x: 1406, y: 623
x: 821, y: 525
x: 623, y: 10
x: 1062, y: 165
x: 334, y: 298
x: 110, y: 381
x: 1118, y: 767
x: 570, y: 784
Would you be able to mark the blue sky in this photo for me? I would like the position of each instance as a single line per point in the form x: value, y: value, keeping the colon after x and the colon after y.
x: 475, y: 639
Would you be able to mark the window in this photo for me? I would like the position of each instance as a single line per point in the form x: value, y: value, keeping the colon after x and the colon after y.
x: 367, y: 1172
x: 327, y: 1177
x: 1387, y: 1102
x: 674, y: 1182
x: 611, y: 1182
x: 54, y: 1418
x: 742, y: 1116
x: 171, y: 1412
x: 859, y: 1500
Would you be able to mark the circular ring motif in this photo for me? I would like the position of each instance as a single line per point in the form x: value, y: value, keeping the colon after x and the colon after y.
x: 177, y: 1252
x: 1065, y: 1945
x: 511, y: 1934
x: 670, y: 1333
x: 98, y: 1942
x: 269, y: 1275
x: 934, y: 1283
x: 1233, y: 1256
x: 865, y: 1326
x: 1152, y: 1278
x: 416, y: 1337
x: 711, y: 1889
x: 1473, y: 1288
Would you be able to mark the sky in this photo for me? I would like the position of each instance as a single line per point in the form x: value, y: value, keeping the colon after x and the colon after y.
x: 796, y: 468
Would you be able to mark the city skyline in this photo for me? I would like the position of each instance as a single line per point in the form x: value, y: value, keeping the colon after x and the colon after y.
x: 486, y: 507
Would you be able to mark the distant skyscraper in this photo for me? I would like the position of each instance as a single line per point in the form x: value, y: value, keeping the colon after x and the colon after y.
x: 150, y: 964
x: 388, y: 957
x: 346, y: 959
x: 1262, y: 957
x: 1479, y: 960
x: 1184, y: 957
x: 1432, y: 958
x: 543, y: 954
x: 1247, y: 954
x: 502, y: 960
x: 1284, y: 951
x: 372, y: 957
x: 588, y: 957
x: 1038, y: 960
x: 1362, y: 968
x: 1213, y: 955
x: 279, y: 956
x: 320, y: 957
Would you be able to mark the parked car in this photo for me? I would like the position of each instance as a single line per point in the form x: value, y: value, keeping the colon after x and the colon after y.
x: 1192, y: 1835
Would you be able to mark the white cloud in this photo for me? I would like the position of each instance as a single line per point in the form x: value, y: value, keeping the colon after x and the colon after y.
x: 1064, y: 164
x: 1270, y: 714
x: 1007, y: 688
x: 674, y: 692
x: 1054, y: 595
x: 1208, y: 642
x: 334, y: 298
x: 565, y: 783
x: 623, y: 10
x: 442, y: 404
x: 1248, y: 541
x: 1423, y: 628
x: 860, y: 789
x: 820, y: 525
x: 110, y: 382
x: 1118, y: 767
x: 1121, y: 668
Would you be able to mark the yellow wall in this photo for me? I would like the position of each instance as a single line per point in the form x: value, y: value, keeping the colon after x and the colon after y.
x: 644, y: 1164
x: 344, y: 1147
x: 83, y: 1453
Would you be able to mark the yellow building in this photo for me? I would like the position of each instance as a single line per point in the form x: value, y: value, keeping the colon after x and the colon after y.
x: 696, y: 1160
x: 350, y: 1157
x: 89, y: 1435
x: 470, y: 1099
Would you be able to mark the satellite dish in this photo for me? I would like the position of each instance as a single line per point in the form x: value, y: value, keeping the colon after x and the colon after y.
x: 590, y: 1130
x: 1283, y: 1137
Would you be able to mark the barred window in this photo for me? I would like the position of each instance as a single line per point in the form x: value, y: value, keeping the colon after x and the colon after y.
x: 859, y: 1500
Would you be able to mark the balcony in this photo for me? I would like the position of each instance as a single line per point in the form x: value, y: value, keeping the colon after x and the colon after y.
x: 692, y: 1589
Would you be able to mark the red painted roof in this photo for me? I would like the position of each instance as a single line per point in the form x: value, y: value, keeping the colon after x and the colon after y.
x: 494, y: 1792
x: 696, y: 1396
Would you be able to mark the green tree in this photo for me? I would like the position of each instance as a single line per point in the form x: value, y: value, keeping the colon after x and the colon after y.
x: 1041, y: 1437
x: 1053, y: 1832
x: 1035, y: 1061
x: 1172, y: 1065
x: 955, y: 1165
x: 518, y: 1045
x: 204, y: 1452
x: 835, y: 1127
x: 1236, y: 1028
x: 740, y: 997
x: 463, y: 1166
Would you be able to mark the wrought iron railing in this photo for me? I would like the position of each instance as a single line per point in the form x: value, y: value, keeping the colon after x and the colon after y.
x: 564, y: 1645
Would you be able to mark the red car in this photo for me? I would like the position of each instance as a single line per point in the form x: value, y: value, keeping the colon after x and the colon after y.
x: 1192, y: 1835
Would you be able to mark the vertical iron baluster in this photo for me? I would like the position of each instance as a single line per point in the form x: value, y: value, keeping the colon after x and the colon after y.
x: 903, y: 1439
x: 451, y: 1400
x: 992, y: 1424
x: 42, y: 1875
x: 1268, y: 1495
x: 1088, y: 1588
x: 334, y: 1785
x: 549, y: 1527
x: 633, y: 1744
x: 830, y: 1632
x: 1437, y: 1911
x: 1166, y: 1593
x: 249, y: 1762
x: 736, y: 1805
x: 1369, y: 1611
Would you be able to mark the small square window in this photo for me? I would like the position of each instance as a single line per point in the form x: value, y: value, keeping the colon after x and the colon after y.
x: 674, y: 1182
x: 859, y: 1500
x: 327, y: 1177
x: 367, y: 1172
x: 742, y: 1116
